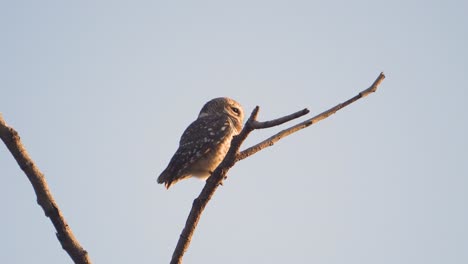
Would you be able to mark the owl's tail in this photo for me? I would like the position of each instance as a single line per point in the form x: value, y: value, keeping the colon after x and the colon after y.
x: 166, y: 178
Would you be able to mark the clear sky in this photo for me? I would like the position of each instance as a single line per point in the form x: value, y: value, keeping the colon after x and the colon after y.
x: 100, y: 92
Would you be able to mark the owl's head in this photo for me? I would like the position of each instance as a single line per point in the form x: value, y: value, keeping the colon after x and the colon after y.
x: 224, y: 106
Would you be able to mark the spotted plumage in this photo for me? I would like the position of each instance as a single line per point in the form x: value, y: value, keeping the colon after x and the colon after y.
x: 205, y: 142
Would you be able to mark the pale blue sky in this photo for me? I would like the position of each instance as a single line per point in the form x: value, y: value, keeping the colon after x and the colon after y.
x: 100, y: 92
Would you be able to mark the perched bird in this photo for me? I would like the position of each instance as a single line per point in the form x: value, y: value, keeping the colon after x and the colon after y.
x: 205, y: 142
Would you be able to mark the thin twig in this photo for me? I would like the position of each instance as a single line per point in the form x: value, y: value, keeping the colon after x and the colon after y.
x: 281, y: 120
x: 233, y: 156
x: 44, y: 197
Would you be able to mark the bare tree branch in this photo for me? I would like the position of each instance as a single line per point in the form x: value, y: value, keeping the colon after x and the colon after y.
x: 44, y: 197
x: 275, y: 138
x: 233, y: 156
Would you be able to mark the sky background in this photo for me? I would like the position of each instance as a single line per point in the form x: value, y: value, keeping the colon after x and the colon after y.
x: 100, y: 92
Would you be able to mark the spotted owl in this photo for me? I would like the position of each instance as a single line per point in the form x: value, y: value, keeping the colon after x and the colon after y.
x: 205, y: 142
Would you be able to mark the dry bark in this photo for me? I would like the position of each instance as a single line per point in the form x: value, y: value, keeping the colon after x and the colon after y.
x: 44, y: 196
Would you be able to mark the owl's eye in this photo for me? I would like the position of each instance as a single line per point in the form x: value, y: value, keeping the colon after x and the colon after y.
x: 235, y: 110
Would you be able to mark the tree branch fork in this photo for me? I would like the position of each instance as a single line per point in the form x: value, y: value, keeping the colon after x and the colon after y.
x: 234, y: 156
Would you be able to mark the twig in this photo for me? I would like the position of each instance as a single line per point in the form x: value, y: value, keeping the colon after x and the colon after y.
x: 233, y: 156
x: 279, y: 121
x: 44, y: 197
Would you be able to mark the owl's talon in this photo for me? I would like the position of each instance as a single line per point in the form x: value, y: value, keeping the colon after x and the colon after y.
x: 224, y: 178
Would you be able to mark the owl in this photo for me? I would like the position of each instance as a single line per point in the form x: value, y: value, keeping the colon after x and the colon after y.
x: 205, y: 142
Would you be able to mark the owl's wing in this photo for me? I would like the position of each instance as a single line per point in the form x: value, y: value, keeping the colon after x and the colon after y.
x: 198, y: 140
